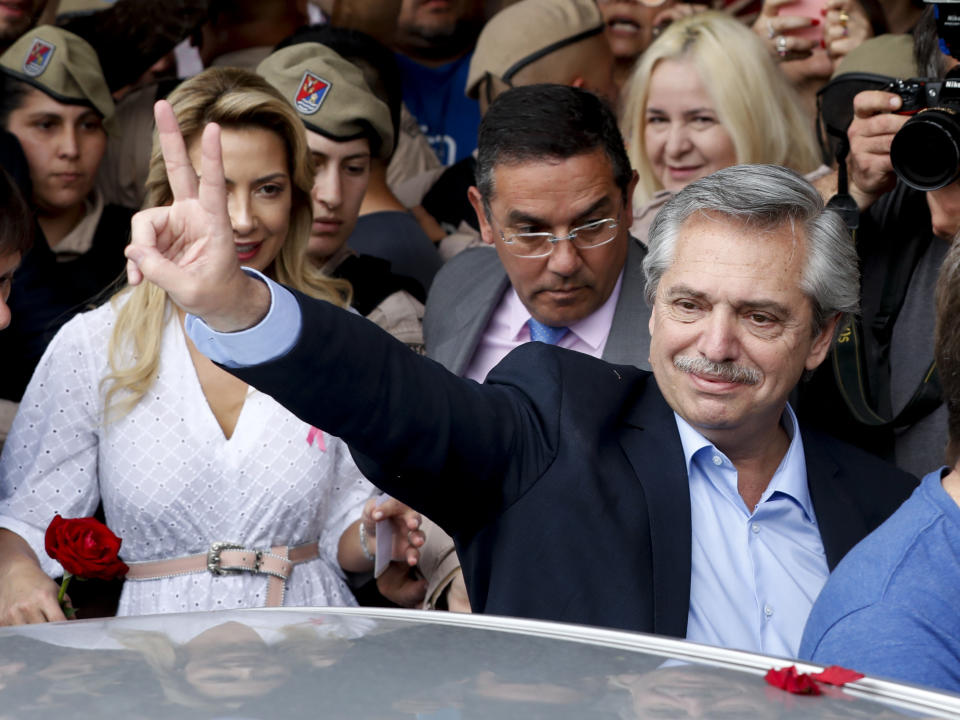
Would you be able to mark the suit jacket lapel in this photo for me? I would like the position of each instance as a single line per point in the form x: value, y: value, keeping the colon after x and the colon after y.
x: 470, y: 312
x: 651, y: 442
x: 841, y: 523
x: 629, y: 340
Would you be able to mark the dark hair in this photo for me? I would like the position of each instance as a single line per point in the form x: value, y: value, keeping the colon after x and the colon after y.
x: 926, y: 46
x: 946, y: 350
x: 377, y: 63
x: 537, y: 122
x: 12, y: 94
x: 16, y: 220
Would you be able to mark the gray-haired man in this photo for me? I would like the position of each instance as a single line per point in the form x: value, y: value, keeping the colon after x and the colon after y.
x: 683, y: 503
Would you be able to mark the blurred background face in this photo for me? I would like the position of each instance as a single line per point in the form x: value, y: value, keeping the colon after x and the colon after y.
x: 340, y: 182
x: 427, y: 20
x: 63, y: 144
x: 16, y: 16
x: 259, y: 191
x: 684, y: 138
x: 630, y: 25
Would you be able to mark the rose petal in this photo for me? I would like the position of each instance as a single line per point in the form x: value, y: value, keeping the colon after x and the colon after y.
x: 792, y: 681
x: 836, y: 675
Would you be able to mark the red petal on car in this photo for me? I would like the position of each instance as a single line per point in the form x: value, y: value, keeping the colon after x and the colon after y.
x: 792, y: 681
x: 836, y: 675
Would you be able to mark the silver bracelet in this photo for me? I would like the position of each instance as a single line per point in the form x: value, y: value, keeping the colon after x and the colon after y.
x: 363, y: 543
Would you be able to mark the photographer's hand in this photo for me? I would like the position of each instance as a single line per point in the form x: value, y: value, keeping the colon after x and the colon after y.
x: 871, y: 133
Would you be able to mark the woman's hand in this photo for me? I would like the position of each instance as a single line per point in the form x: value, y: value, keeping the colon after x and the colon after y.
x: 27, y: 594
x: 407, y: 537
x: 187, y: 248
x: 774, y: 29
x: 846, y: 25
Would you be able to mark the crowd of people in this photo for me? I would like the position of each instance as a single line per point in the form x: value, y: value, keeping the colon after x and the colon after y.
x: 681, y: 371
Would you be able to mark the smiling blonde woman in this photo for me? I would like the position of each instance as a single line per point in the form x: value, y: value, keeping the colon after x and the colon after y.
x: 183, y: 456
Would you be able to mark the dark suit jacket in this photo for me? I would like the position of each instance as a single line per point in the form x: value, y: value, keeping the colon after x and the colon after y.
x: 470, y: 286
x: 562, y: 478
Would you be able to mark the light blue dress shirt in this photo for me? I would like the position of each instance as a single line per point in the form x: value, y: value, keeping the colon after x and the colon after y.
x: 754, y: 573
x: 271, y: 338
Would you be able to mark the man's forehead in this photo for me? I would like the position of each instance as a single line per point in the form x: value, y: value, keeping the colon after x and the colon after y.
x: 730, y: 250
x: 572, y: 185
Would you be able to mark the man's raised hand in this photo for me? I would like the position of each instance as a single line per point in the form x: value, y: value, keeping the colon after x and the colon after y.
x: 187, y: 248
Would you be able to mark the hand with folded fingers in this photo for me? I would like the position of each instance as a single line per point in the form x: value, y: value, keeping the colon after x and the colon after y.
x: 845, y: 26
x: 779, y: 31
x: 187, y: 247
x: 875, y: 122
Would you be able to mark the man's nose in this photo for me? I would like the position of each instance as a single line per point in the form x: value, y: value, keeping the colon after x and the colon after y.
x: 326, y: 188
x: 719, y: 336
x: 565, y: 258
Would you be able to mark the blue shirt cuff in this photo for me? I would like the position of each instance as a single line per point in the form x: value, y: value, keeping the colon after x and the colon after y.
x: 268, y: 340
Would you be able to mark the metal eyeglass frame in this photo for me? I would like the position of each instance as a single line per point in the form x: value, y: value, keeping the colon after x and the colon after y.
x: 510, y: 241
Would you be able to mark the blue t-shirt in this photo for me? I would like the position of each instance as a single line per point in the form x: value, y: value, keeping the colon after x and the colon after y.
x: 435, y: 97
x: 892, y: 606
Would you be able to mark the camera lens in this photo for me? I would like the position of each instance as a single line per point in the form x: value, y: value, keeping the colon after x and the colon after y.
x: 925, y: 153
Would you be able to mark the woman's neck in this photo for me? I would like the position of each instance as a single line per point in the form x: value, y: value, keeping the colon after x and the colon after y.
x: 57, y: 225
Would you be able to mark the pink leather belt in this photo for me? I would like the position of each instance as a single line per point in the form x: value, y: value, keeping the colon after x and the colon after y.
x: 229, y: 558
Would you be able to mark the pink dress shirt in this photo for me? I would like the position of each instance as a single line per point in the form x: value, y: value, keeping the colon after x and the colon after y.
x: 508, y: 328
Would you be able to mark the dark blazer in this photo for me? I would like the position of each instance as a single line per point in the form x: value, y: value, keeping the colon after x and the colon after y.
x: 562, y: 478
x: 469, y: 288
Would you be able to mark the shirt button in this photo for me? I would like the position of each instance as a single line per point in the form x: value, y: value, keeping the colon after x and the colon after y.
x: 755, y: 527
x: 717, y: 460
x: 767, y: 610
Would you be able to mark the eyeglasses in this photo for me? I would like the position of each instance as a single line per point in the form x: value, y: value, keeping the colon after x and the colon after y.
x: 541, y: 244
x: 648, y: 3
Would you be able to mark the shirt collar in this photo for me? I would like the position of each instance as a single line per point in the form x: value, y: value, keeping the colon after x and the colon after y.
x: 592, y: 330
x: 790, y: 478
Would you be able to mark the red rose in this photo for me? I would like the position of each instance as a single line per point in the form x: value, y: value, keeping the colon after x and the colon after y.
x: 85, y: 547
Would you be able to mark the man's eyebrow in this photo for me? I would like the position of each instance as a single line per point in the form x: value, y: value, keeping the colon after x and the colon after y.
x: 601, y: 203
x: 519, y: 217
x: 685, y: 291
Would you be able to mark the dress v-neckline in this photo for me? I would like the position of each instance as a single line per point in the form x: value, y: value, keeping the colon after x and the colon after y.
x: 208, y: 417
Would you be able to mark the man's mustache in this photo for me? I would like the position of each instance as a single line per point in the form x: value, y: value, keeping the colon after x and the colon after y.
x: 725, y: 371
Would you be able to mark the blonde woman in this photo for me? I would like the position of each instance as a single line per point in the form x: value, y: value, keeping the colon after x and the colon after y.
x: 183, y: 456
x: 706, y: 95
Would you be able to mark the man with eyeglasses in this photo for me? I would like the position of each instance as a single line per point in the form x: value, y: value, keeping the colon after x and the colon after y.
x: 553, y: 201
x: 684, y: 503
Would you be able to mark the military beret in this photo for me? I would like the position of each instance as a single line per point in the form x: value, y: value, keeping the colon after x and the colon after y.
x: 330, y: 95
x: 526, y: 31
x: 62, y: 65
x: 890, y: 55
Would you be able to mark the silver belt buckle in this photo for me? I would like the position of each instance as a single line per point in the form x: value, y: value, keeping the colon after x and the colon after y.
x: 213, y: 557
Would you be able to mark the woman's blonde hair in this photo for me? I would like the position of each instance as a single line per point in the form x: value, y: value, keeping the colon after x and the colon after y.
x: 754, y: 101
x: 232, y: 98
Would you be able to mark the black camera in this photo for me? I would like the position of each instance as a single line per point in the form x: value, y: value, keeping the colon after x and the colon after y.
x: 926, y: 151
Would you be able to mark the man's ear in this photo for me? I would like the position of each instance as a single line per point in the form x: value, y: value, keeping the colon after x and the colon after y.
x: 821, y: 343
x: 486, y: 231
